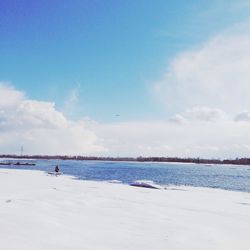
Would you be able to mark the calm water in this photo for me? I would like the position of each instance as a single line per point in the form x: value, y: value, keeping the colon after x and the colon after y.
x: 215, y: 176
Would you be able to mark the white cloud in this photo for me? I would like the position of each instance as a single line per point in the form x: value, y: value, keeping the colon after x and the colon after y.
x: 40, y: 114
x: 41, y: 128
x: 178, y: 119
x: 9, y: 96
x: 199, y: 114
x: 44, y: 130
x: 204, y: 114
x: 189, y: 139
x: 204, y: 91
x: 243, y: 116
x: 215, y: 75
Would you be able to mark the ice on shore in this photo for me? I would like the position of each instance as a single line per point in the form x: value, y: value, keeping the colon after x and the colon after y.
x: 145, y: 184
x: 39, y: 211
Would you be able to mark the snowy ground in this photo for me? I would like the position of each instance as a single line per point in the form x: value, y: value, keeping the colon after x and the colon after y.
x: 38, y: 211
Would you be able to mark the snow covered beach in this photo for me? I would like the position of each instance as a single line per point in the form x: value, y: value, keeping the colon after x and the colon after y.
x: 39, y: 211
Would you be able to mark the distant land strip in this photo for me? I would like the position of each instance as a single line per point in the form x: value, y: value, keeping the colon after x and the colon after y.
x: 236, y: 161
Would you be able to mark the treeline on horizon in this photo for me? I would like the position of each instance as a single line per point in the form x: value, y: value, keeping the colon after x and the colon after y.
x: 237, y: 161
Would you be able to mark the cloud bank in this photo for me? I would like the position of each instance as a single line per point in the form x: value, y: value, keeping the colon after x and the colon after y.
x: 222, y: 139
x: 215, y: 75
x: 40, y: 128
x: 205, y: 92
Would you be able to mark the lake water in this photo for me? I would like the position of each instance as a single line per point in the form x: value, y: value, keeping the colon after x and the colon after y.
x: 229, y: 177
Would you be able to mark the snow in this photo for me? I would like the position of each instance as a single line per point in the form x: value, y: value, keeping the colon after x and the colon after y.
x: 40, y: 211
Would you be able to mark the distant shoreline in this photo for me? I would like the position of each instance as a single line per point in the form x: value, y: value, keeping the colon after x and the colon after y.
x: 237, y: 161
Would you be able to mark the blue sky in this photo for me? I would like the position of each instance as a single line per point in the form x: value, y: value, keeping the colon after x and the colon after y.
x: 112, y: 49
x: 177, y: 73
